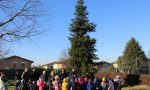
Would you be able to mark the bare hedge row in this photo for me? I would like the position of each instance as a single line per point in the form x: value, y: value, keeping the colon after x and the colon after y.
x: 10, y: 73
x: 128, y: 79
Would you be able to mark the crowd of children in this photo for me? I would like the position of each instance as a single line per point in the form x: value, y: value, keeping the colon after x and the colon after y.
x: 64, y: 81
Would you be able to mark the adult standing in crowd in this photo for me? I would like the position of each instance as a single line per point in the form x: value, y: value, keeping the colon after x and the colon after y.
x: 25, y: 75
x: 44, y: 76
x: 62, y: 75
x: 119, y: 82
x: 17, y: 80
x: 73, y: 74
x: 97, y: 84
x: 111, y: 84
x: 34, y: 76
x: 50, y: 83
x: 51, y: 79
x: 52, y: 75
x: 25, y: 79
x: 3, y: 82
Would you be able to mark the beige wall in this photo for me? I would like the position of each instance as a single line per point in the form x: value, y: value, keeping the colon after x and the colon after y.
x: 59, y: 66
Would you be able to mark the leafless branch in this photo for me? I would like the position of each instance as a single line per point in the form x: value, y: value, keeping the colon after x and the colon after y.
x: 21, y: 19
x: 64, y: 55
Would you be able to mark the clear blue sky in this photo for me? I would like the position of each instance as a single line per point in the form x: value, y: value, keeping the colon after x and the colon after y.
x: 117, y: 21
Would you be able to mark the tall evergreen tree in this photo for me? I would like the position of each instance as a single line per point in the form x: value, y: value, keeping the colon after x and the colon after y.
x: 134, y: 57
x: 82, y: 52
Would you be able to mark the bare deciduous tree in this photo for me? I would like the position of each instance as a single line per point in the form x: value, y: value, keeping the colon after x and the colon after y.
x: 19, y: 19
x: 3, y: 50
x: 64, y: 55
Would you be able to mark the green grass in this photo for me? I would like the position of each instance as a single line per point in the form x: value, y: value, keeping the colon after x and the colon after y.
x: 11, y: 84
x: 11, y: 88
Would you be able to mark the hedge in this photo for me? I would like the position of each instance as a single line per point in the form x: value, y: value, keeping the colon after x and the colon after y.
x: 10, y: 73
x: 128, y: 79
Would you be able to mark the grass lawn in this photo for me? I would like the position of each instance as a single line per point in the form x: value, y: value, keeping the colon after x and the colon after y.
x: 137, y: 87
x: 11, y: 85
x: 11, y: 88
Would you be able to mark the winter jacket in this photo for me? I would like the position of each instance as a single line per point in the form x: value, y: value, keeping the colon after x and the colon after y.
x: 25, y: 76
x: 90, y: 86
x: 34, y: 76
x: 64, y: 84
x: 97, y: 84
x: 56, y: 85
x: 40, y: 84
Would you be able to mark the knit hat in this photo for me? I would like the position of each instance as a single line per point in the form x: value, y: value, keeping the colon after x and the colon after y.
x: 103, y: 79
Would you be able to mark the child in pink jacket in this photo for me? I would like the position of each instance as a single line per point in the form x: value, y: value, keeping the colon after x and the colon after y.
x: 56, y: 83
x: 40, y: 84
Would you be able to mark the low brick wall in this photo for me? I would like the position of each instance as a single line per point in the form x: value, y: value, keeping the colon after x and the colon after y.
x: 130, y: 79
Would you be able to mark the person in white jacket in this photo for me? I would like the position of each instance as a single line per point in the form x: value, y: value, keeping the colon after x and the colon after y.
x: 3, y: 82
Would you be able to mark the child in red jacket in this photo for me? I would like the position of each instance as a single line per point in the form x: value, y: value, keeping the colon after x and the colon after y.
x: 40, y: 84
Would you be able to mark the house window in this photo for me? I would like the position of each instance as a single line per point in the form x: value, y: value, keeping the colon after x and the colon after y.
x: 23, y: 64
x: 14, y: 64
